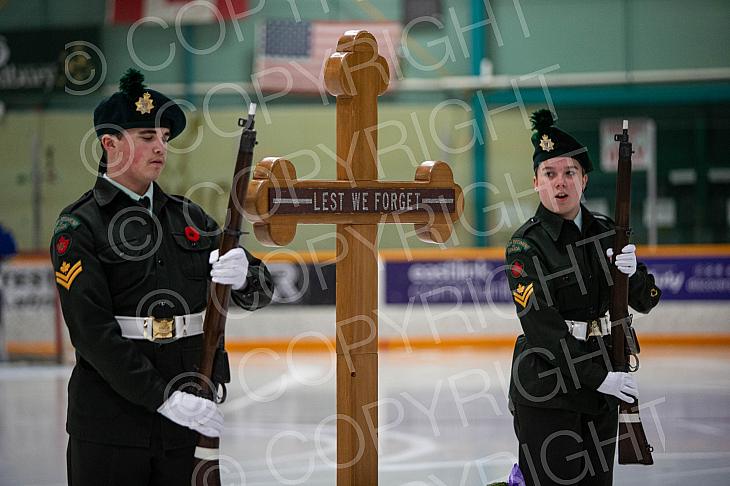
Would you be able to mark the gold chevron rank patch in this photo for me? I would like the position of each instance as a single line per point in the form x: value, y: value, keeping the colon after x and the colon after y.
x: 66, y: 275
x: 522, y: 294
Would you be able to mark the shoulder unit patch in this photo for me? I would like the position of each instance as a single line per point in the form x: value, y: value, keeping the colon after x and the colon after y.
x: 67, y: 273
x: 66, y: 222
x: 517, y: 245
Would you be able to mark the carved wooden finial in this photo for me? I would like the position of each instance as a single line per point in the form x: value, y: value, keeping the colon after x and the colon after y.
x: 356, y: 67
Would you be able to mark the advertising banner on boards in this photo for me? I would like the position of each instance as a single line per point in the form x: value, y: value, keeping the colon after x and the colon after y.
x: 484, y: 280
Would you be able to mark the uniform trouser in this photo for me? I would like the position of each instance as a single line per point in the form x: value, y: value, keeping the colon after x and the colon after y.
x: 92, y: 464
x: 562, y: 447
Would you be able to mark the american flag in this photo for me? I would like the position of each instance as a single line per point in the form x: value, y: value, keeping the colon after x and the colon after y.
x: 291, y: 54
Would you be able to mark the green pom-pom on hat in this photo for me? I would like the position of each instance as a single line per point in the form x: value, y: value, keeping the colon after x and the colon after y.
x: 132, y: 83
x: 542, y: 119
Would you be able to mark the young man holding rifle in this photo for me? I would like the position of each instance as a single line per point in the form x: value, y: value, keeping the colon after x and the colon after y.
x: 564, y: 396
x: 132, y: 269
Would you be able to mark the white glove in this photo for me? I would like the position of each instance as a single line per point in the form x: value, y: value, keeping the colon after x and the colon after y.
x: 193, y: 412
x: 626, y: 260
x: 230, y: 269
x: 620, y: 385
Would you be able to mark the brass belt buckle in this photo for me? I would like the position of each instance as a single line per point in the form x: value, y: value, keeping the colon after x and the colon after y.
x: 163, y: 328
x: 595, y: 328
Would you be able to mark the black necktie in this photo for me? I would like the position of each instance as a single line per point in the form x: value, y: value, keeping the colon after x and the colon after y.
x: 145, y: 201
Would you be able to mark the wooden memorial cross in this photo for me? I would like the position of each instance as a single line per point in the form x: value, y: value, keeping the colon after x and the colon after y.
x: 357, y: 202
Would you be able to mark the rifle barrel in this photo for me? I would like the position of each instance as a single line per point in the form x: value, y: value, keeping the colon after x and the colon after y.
x: 206, y: 470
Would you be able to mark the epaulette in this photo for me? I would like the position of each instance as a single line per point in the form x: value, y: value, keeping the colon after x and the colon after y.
x: 185, y: 201
x: 81, y: 200
x: 603, y: 217
x: 525, y: 227
x: 190, y: 207
x: 179, y: 199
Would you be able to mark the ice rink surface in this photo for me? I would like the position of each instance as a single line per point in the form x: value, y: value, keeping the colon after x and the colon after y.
x: 443, y: 418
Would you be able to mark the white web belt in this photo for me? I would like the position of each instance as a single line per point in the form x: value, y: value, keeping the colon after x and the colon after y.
x: 159, y: 329
x: 583, y: 330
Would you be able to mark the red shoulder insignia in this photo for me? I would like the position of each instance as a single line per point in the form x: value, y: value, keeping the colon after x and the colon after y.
x: 63, y: 243
x: 517, y: 269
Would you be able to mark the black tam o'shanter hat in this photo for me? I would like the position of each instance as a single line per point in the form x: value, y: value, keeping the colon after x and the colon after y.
x: 550, y: 142
x: 136, y: 106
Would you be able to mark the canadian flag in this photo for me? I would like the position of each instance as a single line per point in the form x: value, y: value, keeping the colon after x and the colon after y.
x: 189, y: 12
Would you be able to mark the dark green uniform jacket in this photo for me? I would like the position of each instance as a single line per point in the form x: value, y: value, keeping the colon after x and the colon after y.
x: 113, y: 258
x: 558, y: 272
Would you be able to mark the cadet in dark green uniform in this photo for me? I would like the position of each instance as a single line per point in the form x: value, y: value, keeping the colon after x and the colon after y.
x: 132, y: 269
x: 565, y: 401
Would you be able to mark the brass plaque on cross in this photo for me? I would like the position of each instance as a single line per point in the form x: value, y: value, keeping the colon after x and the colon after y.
x: 321, y: 200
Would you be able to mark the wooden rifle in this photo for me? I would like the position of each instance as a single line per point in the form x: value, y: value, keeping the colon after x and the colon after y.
x: 633, y: 447
x: 213, y: 370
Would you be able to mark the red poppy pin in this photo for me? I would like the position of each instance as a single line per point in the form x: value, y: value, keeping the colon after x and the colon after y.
x: 516, y: 269
x: 62, y: 244
x: 192, y: 234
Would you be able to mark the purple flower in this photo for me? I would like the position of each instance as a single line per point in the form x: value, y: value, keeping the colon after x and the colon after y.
x: 515, y: 477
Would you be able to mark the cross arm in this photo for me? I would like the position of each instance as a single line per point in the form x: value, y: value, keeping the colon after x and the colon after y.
x: 277, y: 201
